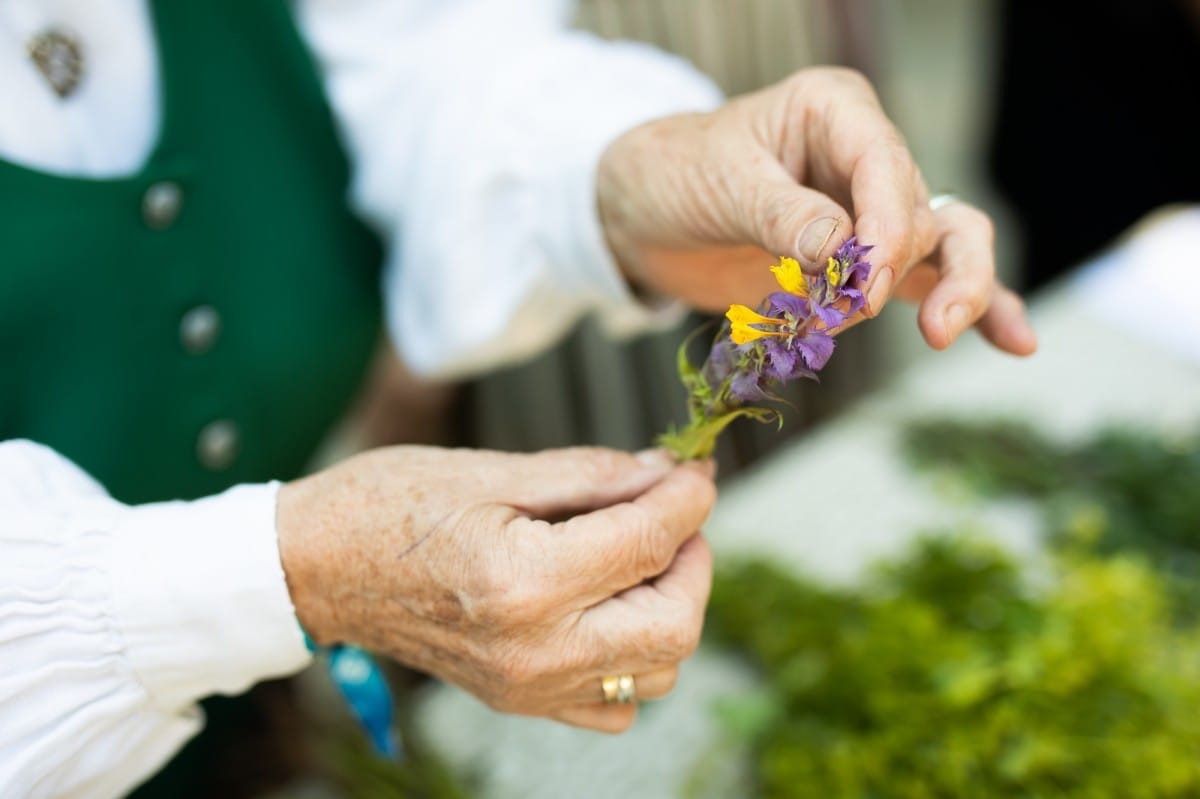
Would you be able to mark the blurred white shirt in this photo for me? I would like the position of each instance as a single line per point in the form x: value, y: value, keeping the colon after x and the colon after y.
x: 474, y: 128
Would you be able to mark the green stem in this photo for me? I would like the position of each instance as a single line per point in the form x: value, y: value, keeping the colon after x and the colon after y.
x: 698, y: 439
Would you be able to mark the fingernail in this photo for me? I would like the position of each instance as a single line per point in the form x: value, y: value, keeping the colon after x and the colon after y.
x: 881, y: 289
x: 658, y: 460
x: 814, y: 238
x: 957, y: 319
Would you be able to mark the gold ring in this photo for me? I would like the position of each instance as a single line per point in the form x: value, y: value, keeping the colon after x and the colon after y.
x: 618, y: 690
x: 939, y: 201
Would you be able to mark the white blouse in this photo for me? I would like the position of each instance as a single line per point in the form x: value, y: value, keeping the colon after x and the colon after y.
x: 475, y: 127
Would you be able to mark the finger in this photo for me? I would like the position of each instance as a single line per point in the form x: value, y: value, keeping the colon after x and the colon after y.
x: 648, y: 685
x: 891, y: 209
x: 967, y: 275
x: 603, y: 718
x: 689, y: 579
x: 622, y: 545
x: 917, y: 284
x: 658, y: 623
x: 786, y: 218
x: 853, y: 151
x: 892, y: 214
x: 555, y: 483
x: 1005, y: 324
x: 905, y: 240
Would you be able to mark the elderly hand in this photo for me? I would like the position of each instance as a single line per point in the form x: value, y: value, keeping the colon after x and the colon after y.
x: 690, y: 203
x: 523, y: 579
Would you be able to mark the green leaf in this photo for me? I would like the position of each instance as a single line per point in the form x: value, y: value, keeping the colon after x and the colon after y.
x: 698, y: 439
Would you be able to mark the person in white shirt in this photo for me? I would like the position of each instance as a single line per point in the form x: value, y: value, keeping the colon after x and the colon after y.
x: 519, y: 175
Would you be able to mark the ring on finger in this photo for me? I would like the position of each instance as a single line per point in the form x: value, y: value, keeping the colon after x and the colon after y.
x: 939, y: 201
x: 620, y: 689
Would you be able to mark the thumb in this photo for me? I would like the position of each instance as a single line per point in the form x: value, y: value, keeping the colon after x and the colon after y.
x: 793, y: 220
x: 557, y: 483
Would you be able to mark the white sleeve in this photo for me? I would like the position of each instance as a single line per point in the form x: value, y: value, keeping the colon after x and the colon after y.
x: 476, y: 127
x: 115, y: 620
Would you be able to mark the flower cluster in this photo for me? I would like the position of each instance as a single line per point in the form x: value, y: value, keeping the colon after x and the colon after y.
x: 789, y: 337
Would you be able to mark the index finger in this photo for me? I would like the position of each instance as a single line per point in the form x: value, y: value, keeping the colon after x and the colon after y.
x: 887, y: 191
x: 893, y: 214
x: 632, y: 541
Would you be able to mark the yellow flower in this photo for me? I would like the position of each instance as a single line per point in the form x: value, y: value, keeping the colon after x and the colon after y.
x: 790, y: 278
x: 834, y: 272
x: 741, y: 318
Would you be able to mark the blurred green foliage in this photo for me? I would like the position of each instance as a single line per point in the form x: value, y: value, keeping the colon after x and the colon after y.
x: 950, y: 678
x: 1119, y: 490
x: 947, y: 674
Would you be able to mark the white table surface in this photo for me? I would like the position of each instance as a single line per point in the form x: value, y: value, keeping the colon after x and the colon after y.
x: 1119, y: 344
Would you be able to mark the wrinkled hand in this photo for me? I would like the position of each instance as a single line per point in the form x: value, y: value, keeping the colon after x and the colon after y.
x: 523, y: 579
x: 696, y: 206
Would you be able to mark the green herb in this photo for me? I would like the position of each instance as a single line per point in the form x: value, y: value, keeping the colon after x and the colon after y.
x: 948, y: 677
x: 944, y: 674
x: 1120, y: 490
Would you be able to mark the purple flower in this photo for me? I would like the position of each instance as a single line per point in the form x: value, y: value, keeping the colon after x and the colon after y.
x: 836, y: 294
x: 830, y: 316
x: 729, y: 364
x: 815, y: 348
x: 788, y: 338
x: 846, y: 273
x: 802, y: 354
x: 782, y: 304
x: 747, y: 386
x: 720, y: 362
x: 800, y: 344
x: 851, y: 253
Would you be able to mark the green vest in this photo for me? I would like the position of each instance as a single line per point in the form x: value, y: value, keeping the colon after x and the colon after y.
x: 204, y: 321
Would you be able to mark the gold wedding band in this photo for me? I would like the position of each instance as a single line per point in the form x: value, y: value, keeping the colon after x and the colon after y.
x: 619, y: 689
x: 938, y: 201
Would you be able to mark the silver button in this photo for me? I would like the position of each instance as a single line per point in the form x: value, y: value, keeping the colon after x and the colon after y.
x: 199, y: 328
x: 161, y: 204
x: 217, y: 446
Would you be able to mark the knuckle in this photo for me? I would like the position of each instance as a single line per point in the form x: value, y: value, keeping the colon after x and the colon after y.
x: 683, y: 646
x: 654, y: 550
x: 768, y: 215
x: 702, y: 491
x: 973, y: 220
x: 848, y: 77
x: 987, y: 228
x: 773, y: 223
x: 976, y: 303
x: 597, y: 464
x: 671, y: 641
x: 927, y: 235
x: 689, y: 640
x: 514, y: 603
x: 897, y: 151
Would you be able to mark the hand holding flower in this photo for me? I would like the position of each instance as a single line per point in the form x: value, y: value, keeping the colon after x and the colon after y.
x: 791, y: 338
x: 693, y: 205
